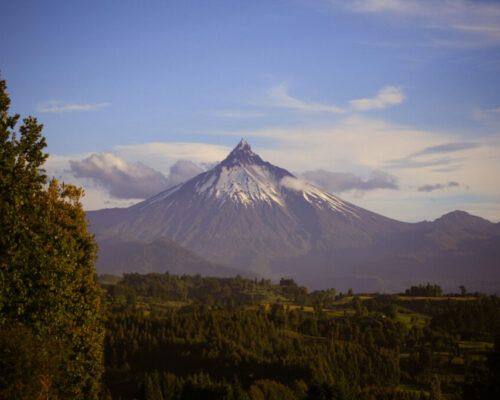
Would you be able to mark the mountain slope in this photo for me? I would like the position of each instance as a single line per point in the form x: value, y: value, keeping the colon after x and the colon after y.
x: 249, y: 214
x: 119, y: 255
x: 447, y: 254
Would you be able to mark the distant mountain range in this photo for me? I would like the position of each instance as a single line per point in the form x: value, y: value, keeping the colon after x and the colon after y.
x: 256, y: 218
x: 158, y: 255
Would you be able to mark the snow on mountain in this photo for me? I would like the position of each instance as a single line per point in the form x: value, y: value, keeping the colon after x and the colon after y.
x: 245, y: 179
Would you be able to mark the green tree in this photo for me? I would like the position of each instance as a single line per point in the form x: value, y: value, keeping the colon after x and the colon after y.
x: 47, y: 272
x: 27, y: 363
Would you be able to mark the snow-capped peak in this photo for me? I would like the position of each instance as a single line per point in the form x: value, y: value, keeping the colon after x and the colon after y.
x: 244, y: 178
x: 243, y: 184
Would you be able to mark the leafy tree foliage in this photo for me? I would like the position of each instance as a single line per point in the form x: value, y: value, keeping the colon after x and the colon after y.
x: 48, y: 291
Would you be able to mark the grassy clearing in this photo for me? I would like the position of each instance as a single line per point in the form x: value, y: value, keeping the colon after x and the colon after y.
x: 409, y: 318
x: 348, y: 299
x: 437, y: 298
x: 473, y: 347
x: 345, y: 312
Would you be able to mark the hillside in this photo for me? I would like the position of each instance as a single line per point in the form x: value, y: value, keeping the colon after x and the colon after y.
x: 209, y: 338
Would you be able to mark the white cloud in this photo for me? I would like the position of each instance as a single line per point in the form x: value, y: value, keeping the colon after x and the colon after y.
x: 294, y: 184
x: 182, y: 171
x: 123, y: 180
x: 386, y: 97
x: 96, y: 196
x: 473, y: 23
x: 278, y: 97
x: 56, y: 107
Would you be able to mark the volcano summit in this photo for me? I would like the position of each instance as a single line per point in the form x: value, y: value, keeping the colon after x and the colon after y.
x: 248, y: 214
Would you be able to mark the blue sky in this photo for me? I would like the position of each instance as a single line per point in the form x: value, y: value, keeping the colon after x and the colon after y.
x: 348, y: 87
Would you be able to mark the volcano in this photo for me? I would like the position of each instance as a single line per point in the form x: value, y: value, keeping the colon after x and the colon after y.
x: 250, y: 215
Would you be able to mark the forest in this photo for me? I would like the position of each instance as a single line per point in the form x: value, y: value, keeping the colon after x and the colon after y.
x: 193, y: 337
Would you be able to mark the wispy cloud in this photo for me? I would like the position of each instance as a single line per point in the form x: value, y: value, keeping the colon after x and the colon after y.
x: 448, y: 168
x: 424, y: 158
x: 395, y: 6
x: 56, y: 107
x: 486, y: 114
x: 408, y: 162
x: 387, y: 97
x: 446, y: 148
x: 495, y: 110
x: 278, y: 96
x: 338, y: 182
x: 473, y: 23
x: 438, y: 186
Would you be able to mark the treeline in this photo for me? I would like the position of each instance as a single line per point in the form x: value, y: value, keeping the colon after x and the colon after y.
x: 206, y: 290
x: 213, y: 291
x: 469, y: 319
x: 475, y: 319
x: 427, y: 290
